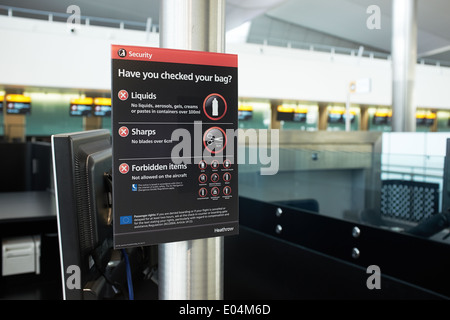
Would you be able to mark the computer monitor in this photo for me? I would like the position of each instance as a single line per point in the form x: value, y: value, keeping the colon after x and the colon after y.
x: 91, y: 268
x: 80, y: 161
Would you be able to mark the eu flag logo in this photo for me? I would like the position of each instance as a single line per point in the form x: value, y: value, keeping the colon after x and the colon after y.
x: 126, y: 220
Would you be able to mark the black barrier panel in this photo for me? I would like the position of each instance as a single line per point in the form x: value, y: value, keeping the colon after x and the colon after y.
x: 406, y: 258
x: 263, y: 267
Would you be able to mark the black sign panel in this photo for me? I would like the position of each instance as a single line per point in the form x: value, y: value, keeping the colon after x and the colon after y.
x: 174, y: 121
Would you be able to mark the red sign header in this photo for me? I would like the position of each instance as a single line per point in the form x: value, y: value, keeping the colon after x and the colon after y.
x: 173, y: 56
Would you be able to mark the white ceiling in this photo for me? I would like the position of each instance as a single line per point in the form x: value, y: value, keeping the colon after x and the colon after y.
x: 129, y: 10
x: 238, y: 11
x: 241, y: 11
x: 345, y: 19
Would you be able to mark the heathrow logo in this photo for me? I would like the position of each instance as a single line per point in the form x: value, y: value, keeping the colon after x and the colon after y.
x: 122, y: 53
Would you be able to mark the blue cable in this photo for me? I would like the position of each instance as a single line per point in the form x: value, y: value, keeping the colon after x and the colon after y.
x: 129, y: 279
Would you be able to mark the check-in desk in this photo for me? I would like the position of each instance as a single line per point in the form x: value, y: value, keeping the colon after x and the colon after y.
x: 31, y: 214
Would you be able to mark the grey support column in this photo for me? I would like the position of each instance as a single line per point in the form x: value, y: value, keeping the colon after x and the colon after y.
x: 323, y: 116
x: 192, y: 269
x: 404, y: 59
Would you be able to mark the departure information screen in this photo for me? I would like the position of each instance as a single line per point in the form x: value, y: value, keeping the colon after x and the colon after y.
x: 174, y: 127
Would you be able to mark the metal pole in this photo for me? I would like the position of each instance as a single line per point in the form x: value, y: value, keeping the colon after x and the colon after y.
x: 192, y: 269
x: 404, y: 59
x: 347, y: 113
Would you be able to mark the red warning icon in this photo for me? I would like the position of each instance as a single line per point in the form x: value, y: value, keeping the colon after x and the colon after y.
x: 202, y: 165
x: 124, y: 168
x: 123, y: 95
x: 227, y: 176
x: 227, y: 190
x: 202, y: 192
x: 215, y: 191
x: 215, y: 177
x: 202, y: 178
x: 214, y: 164
x: 227, y: 164
x: 123, y: 132
x: 215, y: 140
x: 215, y: 106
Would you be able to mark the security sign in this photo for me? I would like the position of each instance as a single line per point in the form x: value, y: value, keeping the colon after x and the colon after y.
x: 174, y: 124
x: 123, y: 95
x: 124, y: 168
x: 123, y: 132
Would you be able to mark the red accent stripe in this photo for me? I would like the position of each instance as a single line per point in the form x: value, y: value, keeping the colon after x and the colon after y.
x: 175, y: 56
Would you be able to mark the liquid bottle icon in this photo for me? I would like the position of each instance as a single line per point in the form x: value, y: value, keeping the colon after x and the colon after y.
x: 215, y: 108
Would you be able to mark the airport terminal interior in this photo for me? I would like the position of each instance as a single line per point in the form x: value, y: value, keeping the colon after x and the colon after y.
x: 342, y: 180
